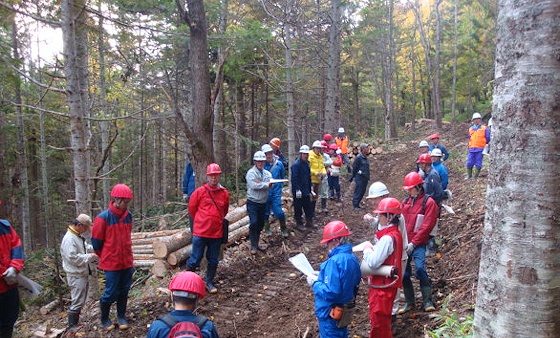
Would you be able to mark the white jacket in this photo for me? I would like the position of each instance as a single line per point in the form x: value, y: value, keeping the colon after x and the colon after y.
x: 75, y: 254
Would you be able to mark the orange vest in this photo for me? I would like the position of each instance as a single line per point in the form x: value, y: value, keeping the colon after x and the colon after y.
x: 478, y: 137
x: 342, y: 144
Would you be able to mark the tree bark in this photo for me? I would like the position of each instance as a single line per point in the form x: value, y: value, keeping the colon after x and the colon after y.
x: 332, y: 105
x: 518, y: 288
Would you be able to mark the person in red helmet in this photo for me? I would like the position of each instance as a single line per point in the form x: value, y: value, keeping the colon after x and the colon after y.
x: 334, y: 174
x: 420, y: 213
x: 208, y: 206
x: 327, y: 138
x: 388, y: 250
x: 110, y: 237
x: 336, y: 285
x: 187, y: 288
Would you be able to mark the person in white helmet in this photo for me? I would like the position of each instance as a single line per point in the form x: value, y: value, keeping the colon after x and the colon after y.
x: 479, y: 136
x: 300, y: 177
x: 274, y: 202
x: 377, y: 192
x: 258, y: 185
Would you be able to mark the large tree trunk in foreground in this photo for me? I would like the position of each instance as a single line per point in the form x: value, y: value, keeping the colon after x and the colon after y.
x: 519, y: 280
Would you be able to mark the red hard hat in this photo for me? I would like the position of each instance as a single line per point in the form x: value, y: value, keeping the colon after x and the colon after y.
x: 433, y: 136
x: 411, y: 180
x: 334, y: 229
x: 424, y: 158
x: 121, y: 191
x: 275, y: 142
x: 333, y: 146
x: 187, y: 284
x: 324, y: 144
x: 389, y: 205
x: 213, y: 169
x: 327, y: 137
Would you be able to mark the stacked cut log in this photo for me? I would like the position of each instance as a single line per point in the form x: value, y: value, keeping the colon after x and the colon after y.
x: 167, y: 249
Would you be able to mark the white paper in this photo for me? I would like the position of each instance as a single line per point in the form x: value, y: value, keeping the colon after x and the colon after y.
x: 448, y: 209
x: 278, y: 180
x: 361, y: 246
x: 302, y: 264
x: 28, y: 286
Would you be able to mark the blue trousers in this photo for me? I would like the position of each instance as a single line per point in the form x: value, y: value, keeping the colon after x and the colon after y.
x: 419, y: 256
x: 274, y: 203
x: 474, y: 158
x: 328, y: 329
x: 117, y: 285
x: 212, y: 246
x: 256, y: 212
x: 334, y: 186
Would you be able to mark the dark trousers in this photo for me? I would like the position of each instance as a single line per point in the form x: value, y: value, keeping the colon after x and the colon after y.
x: 302, y: 205
x: 212, y: 246
x: 9, y: 311
x: 360, y: 190
x: 117, y: 285
x: 256, y: 212
x: 334, y: 186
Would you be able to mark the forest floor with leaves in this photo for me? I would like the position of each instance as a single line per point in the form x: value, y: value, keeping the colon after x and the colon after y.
x: 265, y: 296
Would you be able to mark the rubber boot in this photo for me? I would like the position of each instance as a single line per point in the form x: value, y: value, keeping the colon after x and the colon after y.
x: 73, y: 319
x: 408, y: 291
x: 283, y: 228
x: 6, y: 331
x: 476, y: 172
x: 104, y: 309
x: 267, y: 230
x: 427, y: 298
x: 469, y: 174
x: 210, y: 273
x: 189, y: 267
x: 299, y: 224
x: 121, y: 313
x: 309, y: 223
x: 324, y: 205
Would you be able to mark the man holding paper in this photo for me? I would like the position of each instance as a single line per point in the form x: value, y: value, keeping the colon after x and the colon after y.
x: 336, y: 285
x: 388, y: 251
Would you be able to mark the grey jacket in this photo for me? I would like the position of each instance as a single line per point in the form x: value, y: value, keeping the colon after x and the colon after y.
x: 257, y: 184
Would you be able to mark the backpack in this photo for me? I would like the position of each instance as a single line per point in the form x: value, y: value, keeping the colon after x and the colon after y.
x: 185, y: 329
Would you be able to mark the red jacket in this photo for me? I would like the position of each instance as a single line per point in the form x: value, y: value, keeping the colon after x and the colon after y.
x: 394, y: 259
x: 110, y: 237
x: 11, y: 253
x: 208, y: 214
x: 411, y: 207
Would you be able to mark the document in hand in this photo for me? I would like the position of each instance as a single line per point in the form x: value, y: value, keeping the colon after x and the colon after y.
x: 302, y: 264
x: 361, y: 246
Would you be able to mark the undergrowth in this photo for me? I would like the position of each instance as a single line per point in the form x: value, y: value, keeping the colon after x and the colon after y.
x: 450, y: 325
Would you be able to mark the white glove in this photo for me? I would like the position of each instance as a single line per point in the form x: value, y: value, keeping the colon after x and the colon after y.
x: 185, y: 197
x: 359, y: 172
x: 92, y: 258
x: 409, y: 248
x: 298, y: 194
x: 311, y: 280
x: 10, y: 275
x: 338, y: 151
x: 315, y: 272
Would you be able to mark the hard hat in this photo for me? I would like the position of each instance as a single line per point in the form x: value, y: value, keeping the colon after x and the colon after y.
x: 411, y: 180
x: 259, y: 156
x: 121, y: 191
x: 423, y: 143
x: 275, y: 142
x: 476, y: 116
x: 213, y: 169
x: 187, y: 284
x: 377, y: 189
x: 324, y: 144
x: 424, y: 158
x: 84, y: 219
x: 433, y: 136
x: 266, y: 148
x: 436, y: 152
x: 333, y: 146
x: 327, y: 137
x: 388, y: 205
x: 304, y: 149
x: 341, y: 130
x: 317, y: 144
x: 334, y: 229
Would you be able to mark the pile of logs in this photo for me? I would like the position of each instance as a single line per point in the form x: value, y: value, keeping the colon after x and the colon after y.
x: 166, y: 249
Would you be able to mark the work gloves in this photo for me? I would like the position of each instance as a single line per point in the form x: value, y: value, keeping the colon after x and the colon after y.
x: 10, y: 275
x: 92, y: 258
x: 185, y: 197
x: 409, y: 248
x: 298, y: 194
x: 313, y: 278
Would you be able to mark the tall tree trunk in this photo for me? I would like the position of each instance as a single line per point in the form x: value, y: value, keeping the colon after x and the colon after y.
x: 388, y: 81
x: 332, y: 105
x: 455, y: 56
x: 518, y: 288
x: 290, y: 105
x: 74, y: 36
x: 219, y: 134
x: 104, y: 124
x: 199, y: 127
x: 436, y: 80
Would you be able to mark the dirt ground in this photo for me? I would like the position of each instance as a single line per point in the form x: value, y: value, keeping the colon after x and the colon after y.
x: 265, y: 296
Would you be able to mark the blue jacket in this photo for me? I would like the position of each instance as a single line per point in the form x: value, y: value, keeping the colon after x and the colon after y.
x: 301, y: 177
x: 159, y: 329
x: 276, y: 168
x: 188, y: 180
x: 443, y: 151
x: 338, y: 278
x: 432, y: 186
x: 442, y: 171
